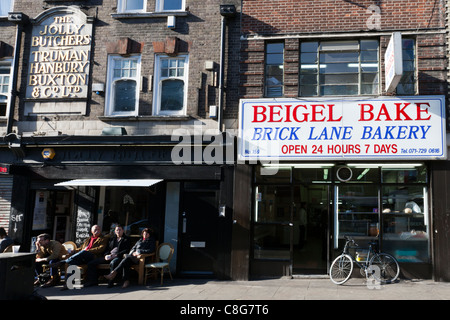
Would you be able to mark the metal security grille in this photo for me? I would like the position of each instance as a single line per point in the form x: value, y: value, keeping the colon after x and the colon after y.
x: 6, y: 185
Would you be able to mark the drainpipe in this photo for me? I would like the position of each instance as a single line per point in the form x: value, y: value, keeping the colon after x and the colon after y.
x: 226, y: 11
x: 19, y: 19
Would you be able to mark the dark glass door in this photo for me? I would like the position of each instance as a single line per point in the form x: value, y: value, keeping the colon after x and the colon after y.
x: 198, y: 232
x: 310, y: 236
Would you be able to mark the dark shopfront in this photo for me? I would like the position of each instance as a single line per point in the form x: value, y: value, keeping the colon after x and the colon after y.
x: 136, y: 186
x: 302, y: 213
x: 337, y: 166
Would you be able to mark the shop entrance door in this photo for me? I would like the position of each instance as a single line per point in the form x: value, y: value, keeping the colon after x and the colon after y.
x: 310, y: 232
x: 198, y: 232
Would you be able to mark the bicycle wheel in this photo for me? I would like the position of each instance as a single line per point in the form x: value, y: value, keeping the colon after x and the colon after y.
x: 341, y: 269
x: 389, y: 269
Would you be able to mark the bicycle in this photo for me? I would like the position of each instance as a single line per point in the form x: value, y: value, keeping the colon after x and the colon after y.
x: 381, y: 266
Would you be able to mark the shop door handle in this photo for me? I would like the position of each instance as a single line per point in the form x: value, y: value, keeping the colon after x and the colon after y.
x: 184, y: 223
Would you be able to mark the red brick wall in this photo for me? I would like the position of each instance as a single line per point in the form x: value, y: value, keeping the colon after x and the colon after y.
x: 307, y: 18
x: 289, y: 16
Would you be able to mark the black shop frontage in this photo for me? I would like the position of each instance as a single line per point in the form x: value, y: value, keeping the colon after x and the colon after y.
x: 63, y: 185
x: 372, y: 169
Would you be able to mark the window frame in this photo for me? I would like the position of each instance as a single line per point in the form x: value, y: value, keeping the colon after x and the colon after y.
x: 110, y: 103
x: 159, y: 6
x: 11, y: 7
x: 121, y: 7
x: 157, y: 86
x: 6, y: 63
x: 346, y: 48
x: 414, y: 72
x: 267, y: 66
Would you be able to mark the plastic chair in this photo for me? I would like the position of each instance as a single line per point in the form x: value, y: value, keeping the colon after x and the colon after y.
x: 164, y: 254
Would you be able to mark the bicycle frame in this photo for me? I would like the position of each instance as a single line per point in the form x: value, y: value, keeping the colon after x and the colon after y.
x: 365, y: 264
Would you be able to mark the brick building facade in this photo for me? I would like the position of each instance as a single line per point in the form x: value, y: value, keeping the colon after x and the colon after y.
x: 316, y: 56
x: 107, y: 102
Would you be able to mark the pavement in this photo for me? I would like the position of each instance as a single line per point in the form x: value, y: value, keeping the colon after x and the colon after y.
x: 282, y: 289
x: 258, y: 299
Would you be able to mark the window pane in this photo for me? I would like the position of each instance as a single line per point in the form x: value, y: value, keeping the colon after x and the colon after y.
x: 274, y: 58
x: 274, y: 91
x: 309, y: 46
x: 172, y: 5
x: 274, y: 70
x: 369, y: 77
x: 339, y: 57
x: 369, y: 88
x: 273, y: 78
x: 308, y: 58
x: 281, y: 174
x: 134, y: 5
x: 308, y: 79
x: 404, y: 88
x: 340, y: 64
x: 369, y: 56
x: 369, y: 67
x: 270, y: 242
x: 401, y: 175
x: 339, y: 78
x: 358, y: 210
x: 405, y: 223
x: 172, y: 95
x: 408, y: 65
x: 124, y: 95
x: 339, y: 45
x: 339, y: 90
x: 339, y: 68
x: 408, y: 54
x: 275, y: 47
x: 273, y: 203
x: 369, y: 45
x: 5, y: 7
x: 308, y: 90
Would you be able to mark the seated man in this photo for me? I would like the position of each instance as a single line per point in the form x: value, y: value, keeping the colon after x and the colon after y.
x: 48, y: 252
x: 91, y: 249
x: 5, y: 241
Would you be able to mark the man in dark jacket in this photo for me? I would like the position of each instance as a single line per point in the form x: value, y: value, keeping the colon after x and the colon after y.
x: 118, y: 245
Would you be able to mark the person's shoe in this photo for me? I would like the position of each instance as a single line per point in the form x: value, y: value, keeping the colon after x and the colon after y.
x: 36, y: 283
x: 111, y: 276
x: 125, y: 284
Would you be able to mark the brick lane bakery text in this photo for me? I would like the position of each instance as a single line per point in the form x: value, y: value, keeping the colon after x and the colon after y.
x: 385, y: 127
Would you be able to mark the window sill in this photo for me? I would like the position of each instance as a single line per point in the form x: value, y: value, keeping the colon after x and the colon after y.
x: 144, y: 118
x: 138, y: 15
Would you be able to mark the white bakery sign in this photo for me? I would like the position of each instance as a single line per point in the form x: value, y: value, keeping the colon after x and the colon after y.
x: 385, y: 127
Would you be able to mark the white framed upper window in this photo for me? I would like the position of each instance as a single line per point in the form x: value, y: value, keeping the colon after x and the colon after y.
x: 5, y: 7
x: 129, y: 6
x: 5, y: 85
x: 170, y: 5
x: 123, y: 83
x: 170, y: 86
